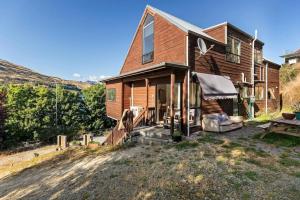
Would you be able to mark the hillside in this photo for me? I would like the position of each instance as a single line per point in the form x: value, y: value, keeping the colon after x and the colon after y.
x: 17, y: 74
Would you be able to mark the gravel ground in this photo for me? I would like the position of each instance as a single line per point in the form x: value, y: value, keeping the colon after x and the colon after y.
x: 226, y: 166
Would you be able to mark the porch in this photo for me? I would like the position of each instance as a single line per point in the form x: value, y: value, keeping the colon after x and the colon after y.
x: 161, y: 93
x: 168, y: 94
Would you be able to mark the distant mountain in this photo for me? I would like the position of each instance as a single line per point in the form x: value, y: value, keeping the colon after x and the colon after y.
x: 17, y: 74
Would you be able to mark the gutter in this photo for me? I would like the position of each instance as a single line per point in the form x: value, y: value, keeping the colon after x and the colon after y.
x: 266, y: 90
x: 188, y: 86
x: 252, y: 76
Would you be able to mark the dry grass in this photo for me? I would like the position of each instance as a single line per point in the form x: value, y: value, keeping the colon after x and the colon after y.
x: 210, y: 167
x: 51, y: 158
x: 290, y: 92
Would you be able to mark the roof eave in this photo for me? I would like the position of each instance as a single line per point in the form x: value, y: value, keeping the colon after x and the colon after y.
x: 156, y: 67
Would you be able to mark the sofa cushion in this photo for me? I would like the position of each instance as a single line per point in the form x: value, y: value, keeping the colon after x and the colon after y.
x: 223, y: 117
x: 225, y: 123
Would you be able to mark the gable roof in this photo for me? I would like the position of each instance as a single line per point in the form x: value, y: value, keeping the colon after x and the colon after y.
x: 234, y: 27
x: 183, y: 25
x: 293, y: 54
x: 272, y: 62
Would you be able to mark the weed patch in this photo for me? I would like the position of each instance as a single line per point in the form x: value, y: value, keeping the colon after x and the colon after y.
x: 231, y: 145
x: 280, y: 140
x: 209, y: 139
x: 252, y: 175
x: 288, y: 162
x: 186, y: 145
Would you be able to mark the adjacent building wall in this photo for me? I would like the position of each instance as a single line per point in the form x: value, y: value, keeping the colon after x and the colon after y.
x: 273, y: 82
x: 214, y: 62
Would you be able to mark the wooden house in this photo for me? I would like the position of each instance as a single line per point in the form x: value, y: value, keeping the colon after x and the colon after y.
x: 164, y: 73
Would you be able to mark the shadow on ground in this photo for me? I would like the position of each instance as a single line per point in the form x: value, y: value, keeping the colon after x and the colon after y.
x: 216, y: 168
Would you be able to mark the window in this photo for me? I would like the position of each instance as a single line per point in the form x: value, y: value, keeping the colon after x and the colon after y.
x: 271, y: 93
x: 262, y: 73
x: 111, y: 94
x: 148, y: 39
x: 233, y: 50
x: 236, y: 104
x: 292, y: 61
x: 258, y: 56
x: 245, y: 92
x: 259, y: 92
x: 177, y: 96
x: 195, y: 102
x: 194, y: 95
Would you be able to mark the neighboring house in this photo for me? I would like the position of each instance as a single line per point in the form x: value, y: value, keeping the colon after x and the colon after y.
x: 165, y: 75
x: 292, y: 59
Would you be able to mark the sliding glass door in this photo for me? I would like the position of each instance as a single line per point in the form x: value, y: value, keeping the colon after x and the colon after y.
x: 163, y: 101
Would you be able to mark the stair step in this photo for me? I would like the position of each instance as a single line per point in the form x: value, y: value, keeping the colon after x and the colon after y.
x: 151, y: 140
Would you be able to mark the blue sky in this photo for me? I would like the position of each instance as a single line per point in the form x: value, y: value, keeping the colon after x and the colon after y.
x: 90, y: 38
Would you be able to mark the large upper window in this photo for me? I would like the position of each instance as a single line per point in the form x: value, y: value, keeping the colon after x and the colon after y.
x: 233, y: 50
x: 148, y: 39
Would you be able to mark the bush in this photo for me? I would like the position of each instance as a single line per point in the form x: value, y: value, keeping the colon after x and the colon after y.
x: 2, y: 118
x: 31, y: 113
x: 296, y: 107
x: 94, y: 98
x: 287, y: 74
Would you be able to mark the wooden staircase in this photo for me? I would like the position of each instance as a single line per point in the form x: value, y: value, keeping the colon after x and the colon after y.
x: 119, y: 134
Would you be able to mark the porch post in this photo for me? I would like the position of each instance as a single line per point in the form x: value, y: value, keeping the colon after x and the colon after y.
x: 147, y: 99
x: 122, y: 97
x: 172, y: 102
x: 184, y: 103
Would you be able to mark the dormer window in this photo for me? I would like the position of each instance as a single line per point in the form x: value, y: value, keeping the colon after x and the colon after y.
x: 148, y: 39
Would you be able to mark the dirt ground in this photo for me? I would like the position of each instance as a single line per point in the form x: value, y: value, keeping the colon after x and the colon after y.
x: 234, y: 165
x: 25, y: 156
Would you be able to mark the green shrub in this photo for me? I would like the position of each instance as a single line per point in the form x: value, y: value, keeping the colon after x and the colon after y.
x: 31, y: 113
x: 287, y: 74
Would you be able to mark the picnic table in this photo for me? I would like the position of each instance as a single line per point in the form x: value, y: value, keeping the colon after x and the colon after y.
x: 283, y: 126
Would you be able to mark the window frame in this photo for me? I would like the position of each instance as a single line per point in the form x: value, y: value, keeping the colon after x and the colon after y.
x: 195, y: 107
x: 231, y: 56
x: 108, y: 96
x: 271, y: 93
x: 151, y: 53
x: 258, y: 59
x: 259, y: 92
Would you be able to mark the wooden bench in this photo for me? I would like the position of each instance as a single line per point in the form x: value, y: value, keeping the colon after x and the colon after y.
x: 282, y: 126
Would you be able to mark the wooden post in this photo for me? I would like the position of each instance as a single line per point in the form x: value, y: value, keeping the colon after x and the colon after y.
x: 62, y: 142
x: 122, y: 97
x: 147, y: 99
x: 172, y: 102
x: 184, y: 103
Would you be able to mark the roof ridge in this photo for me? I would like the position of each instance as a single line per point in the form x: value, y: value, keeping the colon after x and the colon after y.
x: 180, y: 23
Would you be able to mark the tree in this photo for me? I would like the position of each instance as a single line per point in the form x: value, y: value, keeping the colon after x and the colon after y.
x: 2, y: 118
x: 94, y: 99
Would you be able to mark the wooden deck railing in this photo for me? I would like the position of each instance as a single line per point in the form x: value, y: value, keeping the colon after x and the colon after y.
x: 139, y: 119
x: 118, y: 135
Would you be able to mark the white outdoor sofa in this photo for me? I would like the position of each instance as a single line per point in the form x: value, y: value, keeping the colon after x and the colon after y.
x: 221, y: 122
